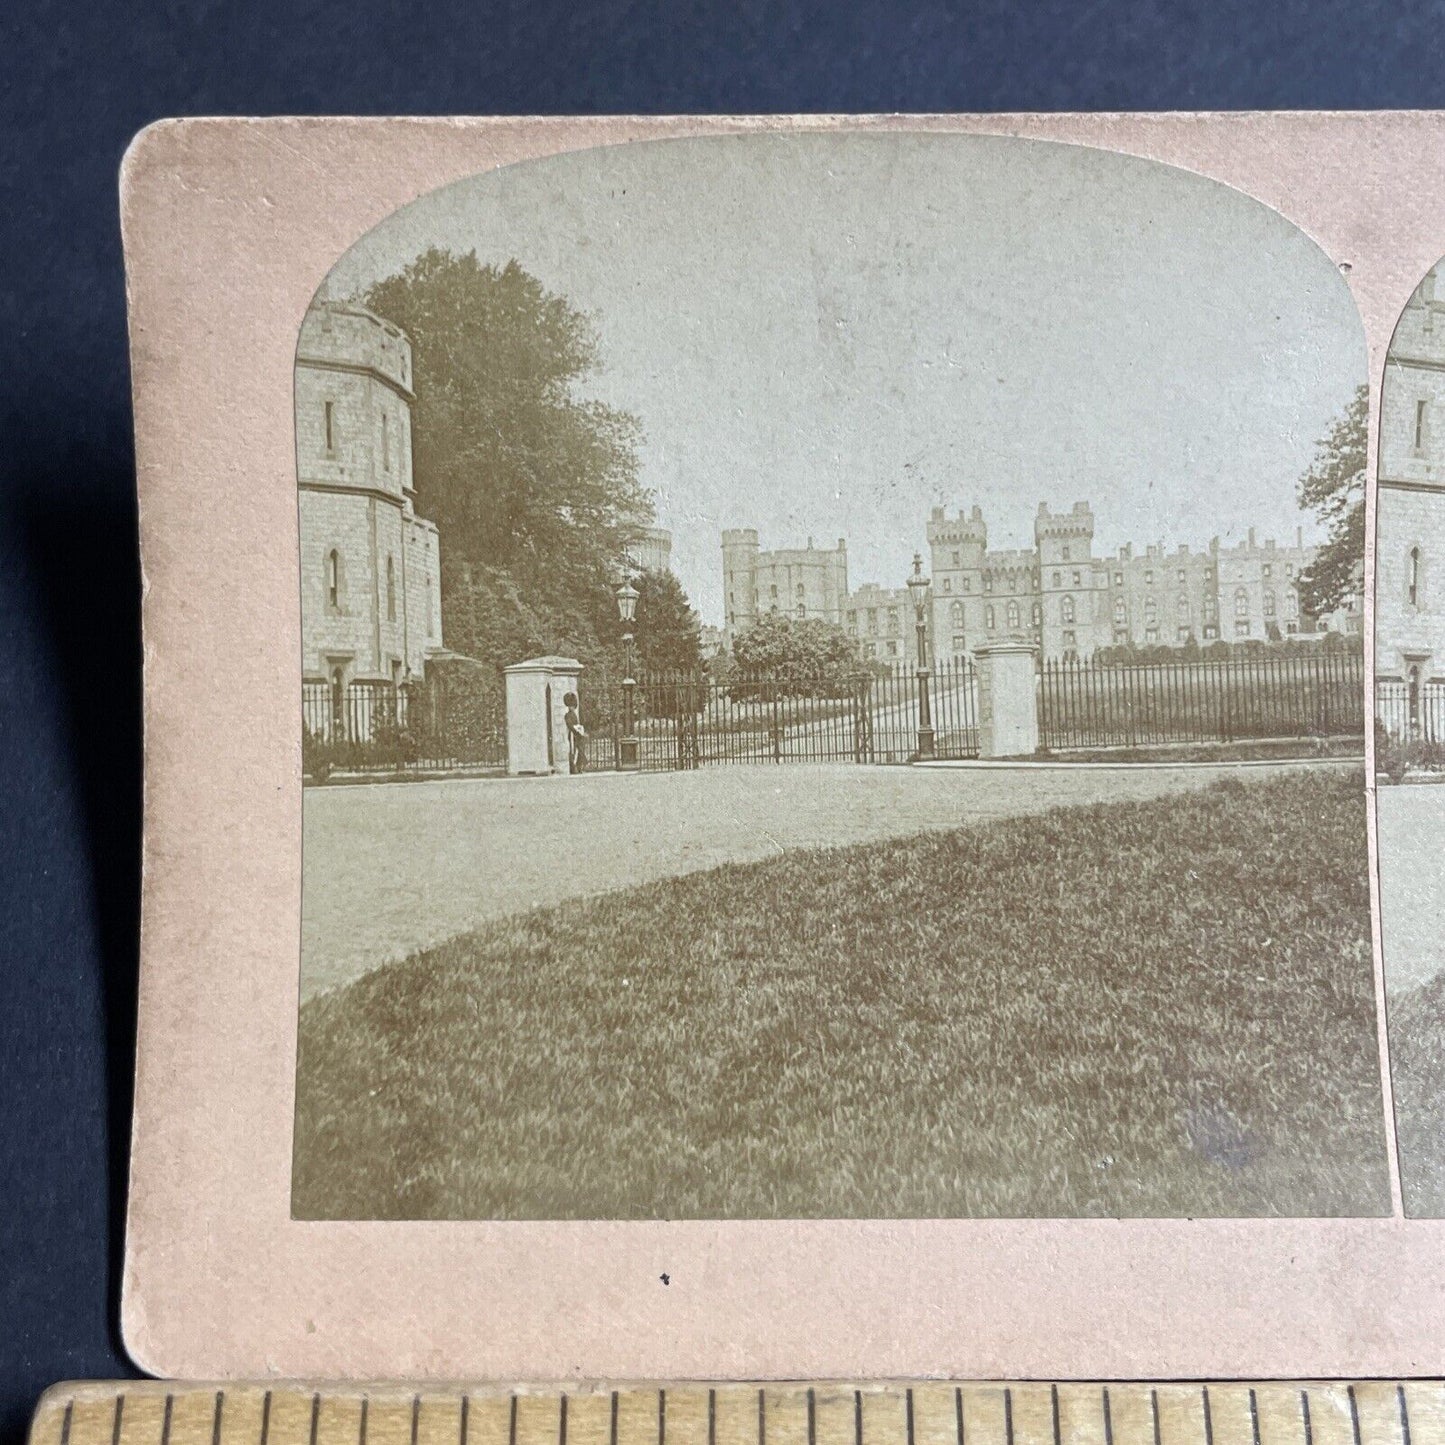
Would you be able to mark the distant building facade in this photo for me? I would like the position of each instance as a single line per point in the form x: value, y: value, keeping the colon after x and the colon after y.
x: 799, y: 583
x: 650, y: 549
x: 1059, y: 594
x: 370, y: 567
x: 1410, y: 509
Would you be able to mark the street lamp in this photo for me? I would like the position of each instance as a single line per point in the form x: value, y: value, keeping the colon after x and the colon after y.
x: 627, y: 596
x: 918, y: 586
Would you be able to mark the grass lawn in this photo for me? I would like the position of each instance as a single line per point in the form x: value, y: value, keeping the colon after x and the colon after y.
x: 1153, y: 1008
x: 1417, y: 1053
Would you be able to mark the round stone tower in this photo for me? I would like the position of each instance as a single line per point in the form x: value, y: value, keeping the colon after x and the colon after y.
x: 740, y: 577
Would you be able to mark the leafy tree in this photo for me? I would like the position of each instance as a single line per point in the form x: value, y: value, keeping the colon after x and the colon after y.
x: 534, y: 488
x: 1334, y: 489
x: 779, y: 653
x: 667, y: 632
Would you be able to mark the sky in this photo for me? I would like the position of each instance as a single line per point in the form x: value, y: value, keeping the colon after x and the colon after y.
x: 827, y: 335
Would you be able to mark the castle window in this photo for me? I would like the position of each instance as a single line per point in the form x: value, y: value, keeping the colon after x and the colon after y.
x: 1058, y: 579
x: 957, y: 559
x: 1070, y: 639
x: 1066, y: 609
x: 773, y: 590
x: 893, y: 627
x: 1064, y: 552
x: 955, y: 614
x: 1120, y: 612
x: 802, y: 610
x: 1422, y: 410
x: 853, y: 623
x: 1121, y: 634
x: 1181, y: 574
x: 385, y: 442
x: 947, y: 585
x: 1038, y: 614
x: 1182, y: 633
x: 1151, y: 611
x: 958, y: 644
x: 1241, y: 603
x: 1118, y: 579
x: 1149, y: 578
x: 1151, y: 634
x: 333, y: 579
x: 1013, y: 614
x: 988, y: 618
x: 873, y: 620
x: 330, y: 428
x: 1076, y: 579
x: 1241, y: 627
x: 1412, y: 586
x: 1211, y: 610
x: 968, y: 584
x: 1269, y: 604
x: 390, y: 590
x: 1291, y: 605
x: 1209, y: 574
x: 1183, y: 607
x: 893, y: 649
x: 1289, y: 569
x: 799, y: 589
x: 988, y: 584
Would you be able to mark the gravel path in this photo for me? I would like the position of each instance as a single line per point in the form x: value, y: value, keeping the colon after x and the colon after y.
x: 393, y: 867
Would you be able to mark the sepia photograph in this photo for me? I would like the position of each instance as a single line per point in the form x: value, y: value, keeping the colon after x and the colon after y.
x: 833, y: 686
x: 1410, y: 733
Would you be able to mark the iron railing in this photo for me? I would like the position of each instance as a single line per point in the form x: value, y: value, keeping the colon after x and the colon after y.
x: 1411, y: 712
x: 1201, y: 700
x: 373, y: 726
x: 690, y: 720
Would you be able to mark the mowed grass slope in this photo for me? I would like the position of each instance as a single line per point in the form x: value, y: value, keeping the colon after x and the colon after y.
x: 1417, y: 1056
x: 1158, y: 1008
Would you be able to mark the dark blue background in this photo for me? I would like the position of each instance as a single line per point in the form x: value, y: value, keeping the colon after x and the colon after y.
x: 76, y: 81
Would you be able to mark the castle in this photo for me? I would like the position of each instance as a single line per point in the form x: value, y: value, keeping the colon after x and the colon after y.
x: 1058, y: 594
x: 370, y: 567
x: 1410, y: 509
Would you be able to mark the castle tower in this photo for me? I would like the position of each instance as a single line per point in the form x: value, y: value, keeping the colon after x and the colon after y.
x: 740, y: 581
x: 957, y: 547
x: 1065, y: 545
x: 370, y: 567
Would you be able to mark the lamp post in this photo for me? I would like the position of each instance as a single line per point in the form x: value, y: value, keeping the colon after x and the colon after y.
x: 627, y: 596
x: 918, y: 586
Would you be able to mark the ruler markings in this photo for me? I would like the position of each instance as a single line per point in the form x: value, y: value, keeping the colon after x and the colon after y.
x: 921, y: 1413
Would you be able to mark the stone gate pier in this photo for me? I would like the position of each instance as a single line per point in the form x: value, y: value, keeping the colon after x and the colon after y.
x: 1008, y: 710
x: 536, y: 714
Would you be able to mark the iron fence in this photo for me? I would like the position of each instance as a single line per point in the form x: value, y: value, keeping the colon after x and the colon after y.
x: 374, y: 726
x: 690, y: 720
x: 1085, y: 705
x: 1411, y: 711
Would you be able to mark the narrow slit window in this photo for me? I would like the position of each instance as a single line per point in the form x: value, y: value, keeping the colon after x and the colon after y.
x: 330, y: 410
x: 1422, y: 411
x: 333, y: 578
x: 1414, y: 577
x: 385, y: 442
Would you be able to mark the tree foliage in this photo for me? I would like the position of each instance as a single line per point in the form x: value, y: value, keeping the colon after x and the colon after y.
x: 533, y: 487
x: 668, y: 631
x: 1334, y: 490
x: 807, y: 656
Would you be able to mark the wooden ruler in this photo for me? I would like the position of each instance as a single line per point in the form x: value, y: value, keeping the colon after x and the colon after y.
x: 898, y: 1413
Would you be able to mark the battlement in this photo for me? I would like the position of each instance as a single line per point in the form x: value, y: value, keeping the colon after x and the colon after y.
x: 346, y: 336
x: 960, y: 530
x: 740, y: 537
x: 1077, y: 522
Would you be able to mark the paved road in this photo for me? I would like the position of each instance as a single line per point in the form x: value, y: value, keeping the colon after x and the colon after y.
x: 1412, y: 883
x: 392, y: 867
